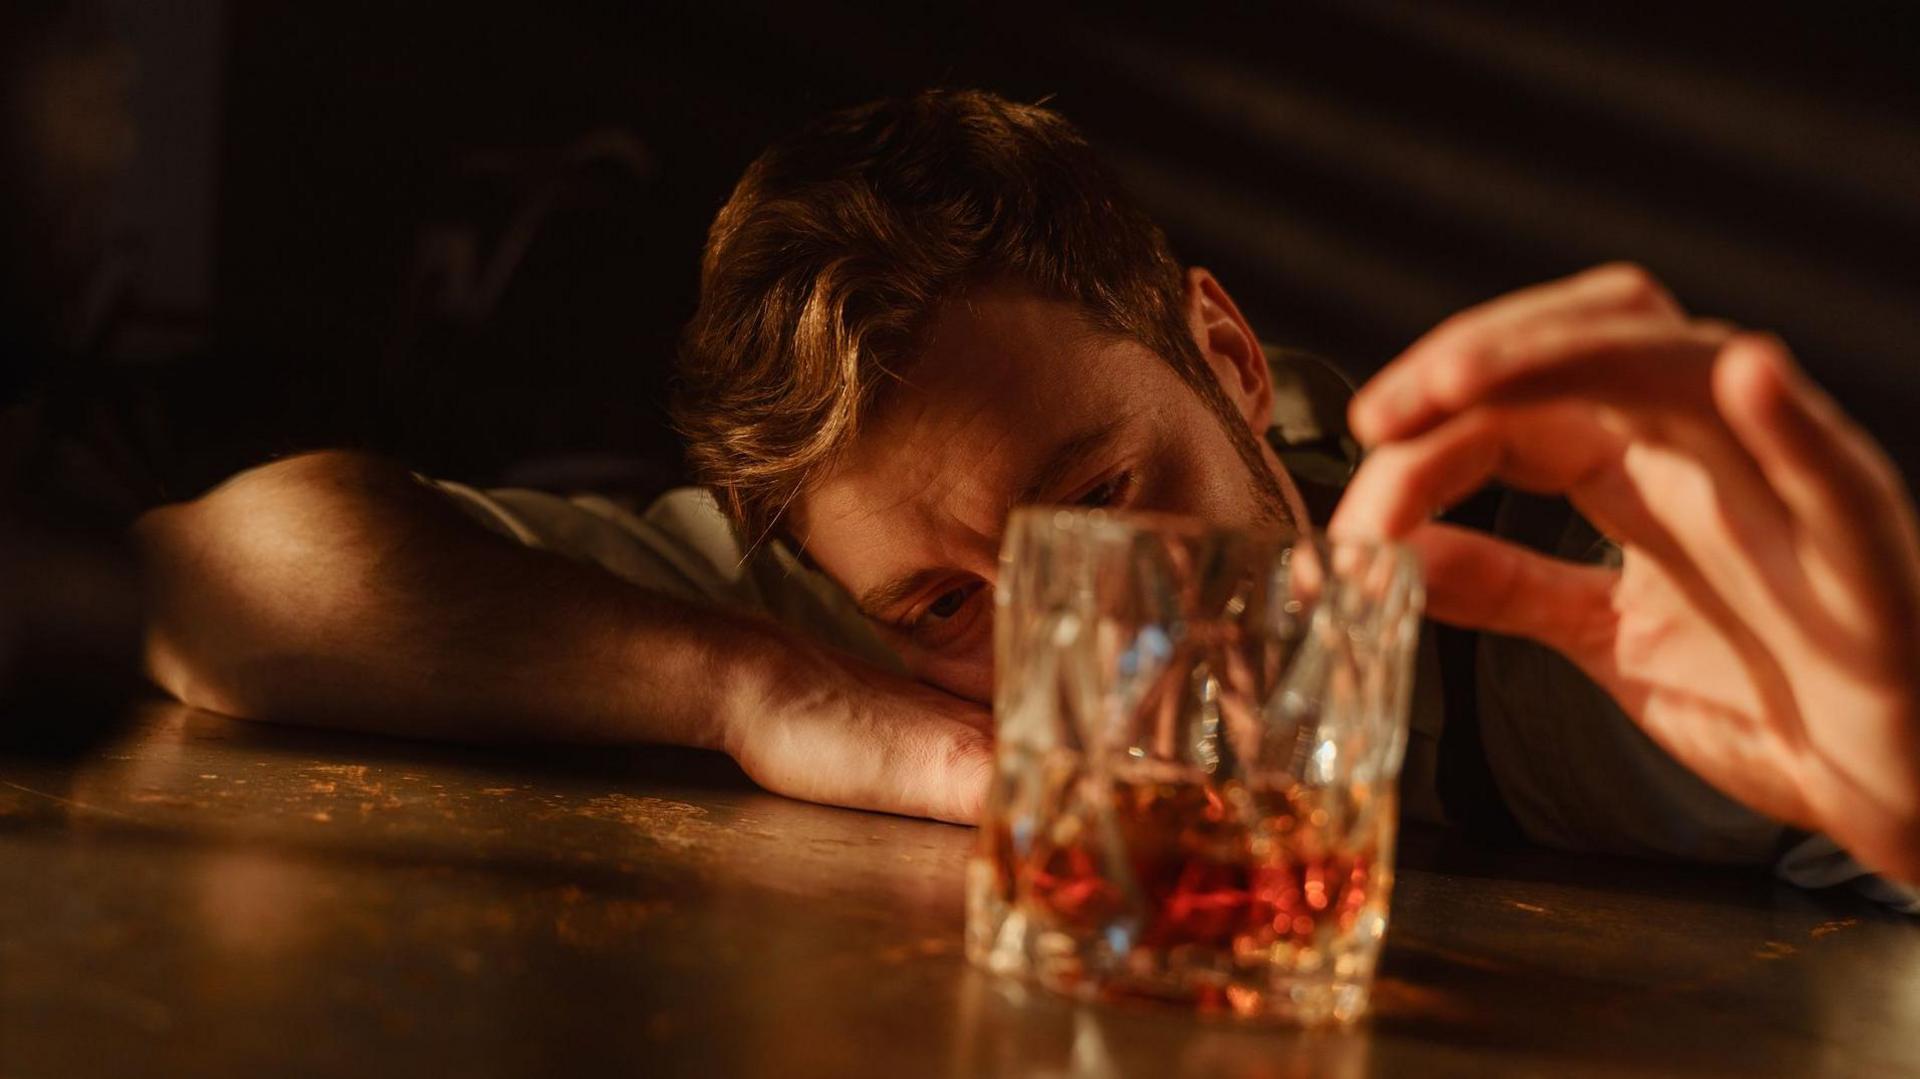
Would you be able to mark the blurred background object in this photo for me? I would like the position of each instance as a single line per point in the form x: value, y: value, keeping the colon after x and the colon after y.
x: 466, y: 235
x: 68, y: 598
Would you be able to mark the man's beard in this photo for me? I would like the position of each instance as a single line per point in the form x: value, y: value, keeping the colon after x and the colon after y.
x: 1270, y: 500
x: 1269, y: 497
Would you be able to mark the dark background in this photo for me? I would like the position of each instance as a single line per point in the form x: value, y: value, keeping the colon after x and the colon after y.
x: 467, y: 235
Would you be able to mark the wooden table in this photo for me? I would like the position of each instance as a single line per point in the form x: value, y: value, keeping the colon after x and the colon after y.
x: 219, y: 898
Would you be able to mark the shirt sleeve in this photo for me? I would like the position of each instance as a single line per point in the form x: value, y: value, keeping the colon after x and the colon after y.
x: 1818, y: 862
x: 682, y: 546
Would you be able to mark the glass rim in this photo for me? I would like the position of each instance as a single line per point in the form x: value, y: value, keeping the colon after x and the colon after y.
x: 1112, y: 525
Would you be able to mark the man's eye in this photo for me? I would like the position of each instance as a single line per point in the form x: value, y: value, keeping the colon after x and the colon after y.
x: 951, y: 619
x: 949, y: 604
x: 1107, y: 493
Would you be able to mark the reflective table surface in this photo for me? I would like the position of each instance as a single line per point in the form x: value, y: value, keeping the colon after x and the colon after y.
x: 208, y: 897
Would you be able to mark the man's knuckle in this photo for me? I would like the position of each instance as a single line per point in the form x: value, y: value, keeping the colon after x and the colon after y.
x: 1633, y: 285
x: 1458, y: 324
x: 1407, y: 475
x: 967, y: 750
x: 1624, y: 274
x: 1458, y: 377
x: 967, y: 760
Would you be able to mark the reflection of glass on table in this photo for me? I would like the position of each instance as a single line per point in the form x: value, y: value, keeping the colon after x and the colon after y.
x: 1200, y: 730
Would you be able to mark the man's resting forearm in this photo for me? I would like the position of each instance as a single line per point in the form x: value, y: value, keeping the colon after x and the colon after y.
x: 335, y: 590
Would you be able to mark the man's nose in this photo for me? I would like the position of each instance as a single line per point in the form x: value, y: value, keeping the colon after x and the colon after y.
x: 979, y: 555
x: 990, y: 574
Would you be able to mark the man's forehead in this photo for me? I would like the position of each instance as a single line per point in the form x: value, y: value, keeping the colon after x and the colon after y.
x: 1000, y: 375
x: 1014, y: 465
x: 884, y: 546
x: 914, y: 476
x: 988, y: 363
x: 1006, y: 393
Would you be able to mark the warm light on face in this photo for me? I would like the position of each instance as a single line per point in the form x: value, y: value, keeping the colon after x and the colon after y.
x: 1014, y: 400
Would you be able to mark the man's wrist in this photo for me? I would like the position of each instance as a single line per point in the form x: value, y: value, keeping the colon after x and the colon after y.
x: 760, y: 669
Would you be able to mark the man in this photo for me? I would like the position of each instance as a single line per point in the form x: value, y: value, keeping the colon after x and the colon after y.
x: 917, y: 314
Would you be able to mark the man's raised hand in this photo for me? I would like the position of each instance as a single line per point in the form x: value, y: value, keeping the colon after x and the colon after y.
x: 1763, y: 624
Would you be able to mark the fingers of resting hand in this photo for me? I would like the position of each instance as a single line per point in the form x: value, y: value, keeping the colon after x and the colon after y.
x: 1841, y: 489
x: 881, y: 756
x: 1483, y: 347
x: 943, y: 772
x: 1480, y: 582
x: 937, y: 769
x: 922, y: 765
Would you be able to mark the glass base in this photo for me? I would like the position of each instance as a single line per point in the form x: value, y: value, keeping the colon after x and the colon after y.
x: 1261, y: 988
x: 1294, y: 1001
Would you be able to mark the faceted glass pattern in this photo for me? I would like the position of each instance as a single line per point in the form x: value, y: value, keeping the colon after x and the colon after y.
x: 1199, y: 734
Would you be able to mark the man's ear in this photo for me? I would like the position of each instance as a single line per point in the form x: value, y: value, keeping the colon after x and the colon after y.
x: 1231, y: 348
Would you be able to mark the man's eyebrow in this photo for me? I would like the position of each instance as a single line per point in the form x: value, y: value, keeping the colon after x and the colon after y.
x: 1065, y: 457
x: 1041, y: 482
x: 876, y: 601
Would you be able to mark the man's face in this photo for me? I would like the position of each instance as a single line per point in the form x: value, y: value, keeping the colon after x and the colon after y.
x: 1016, y: 400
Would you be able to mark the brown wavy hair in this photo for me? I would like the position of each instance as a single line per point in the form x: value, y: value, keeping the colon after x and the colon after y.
x: 842, y: 240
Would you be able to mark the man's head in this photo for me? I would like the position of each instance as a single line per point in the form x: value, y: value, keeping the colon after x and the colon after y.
x: 919, y: 313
